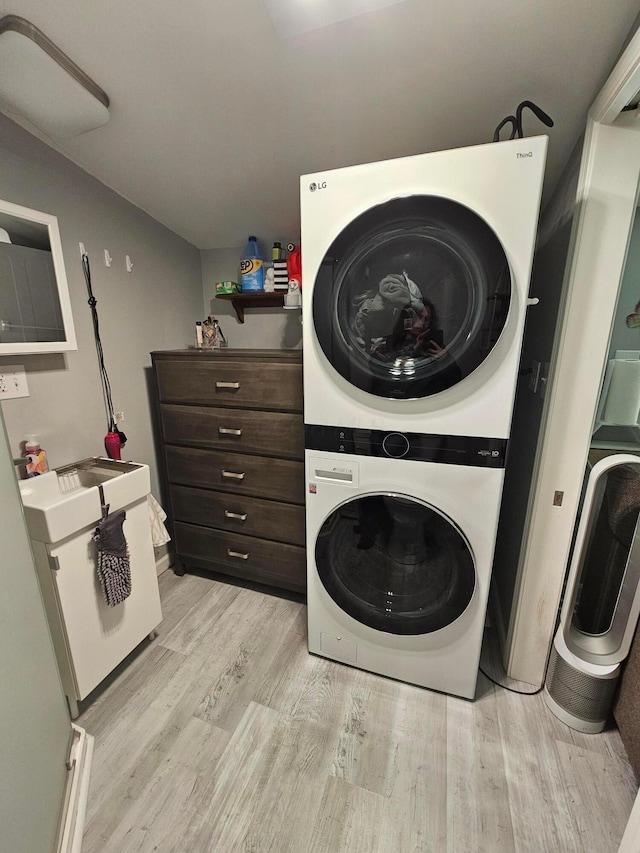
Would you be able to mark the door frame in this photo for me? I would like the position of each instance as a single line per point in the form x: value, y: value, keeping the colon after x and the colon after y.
x: 605, y: 208
x: 631, y: 839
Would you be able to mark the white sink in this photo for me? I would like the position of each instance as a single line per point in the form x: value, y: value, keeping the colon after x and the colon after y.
x: 68, y: 499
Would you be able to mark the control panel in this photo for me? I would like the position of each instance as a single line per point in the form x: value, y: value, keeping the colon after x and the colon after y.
x: 421, y: 447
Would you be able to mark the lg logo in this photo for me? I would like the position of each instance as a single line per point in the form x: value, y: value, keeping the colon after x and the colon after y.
x: 321, y: 186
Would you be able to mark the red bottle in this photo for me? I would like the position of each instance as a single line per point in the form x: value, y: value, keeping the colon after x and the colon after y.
x: 294, y: 264
x: 112, y: 445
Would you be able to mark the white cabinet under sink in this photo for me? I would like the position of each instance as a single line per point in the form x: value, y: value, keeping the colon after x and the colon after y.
x: 62, y: 509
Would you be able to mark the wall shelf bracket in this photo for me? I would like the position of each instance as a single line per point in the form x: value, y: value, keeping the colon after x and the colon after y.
x: 240, y: 301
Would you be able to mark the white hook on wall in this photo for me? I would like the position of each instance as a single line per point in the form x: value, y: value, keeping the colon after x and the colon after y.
x: 107, y: 258
x: 128, y: 263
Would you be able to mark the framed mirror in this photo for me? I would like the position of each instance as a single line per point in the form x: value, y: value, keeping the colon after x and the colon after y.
x: 35, y: 309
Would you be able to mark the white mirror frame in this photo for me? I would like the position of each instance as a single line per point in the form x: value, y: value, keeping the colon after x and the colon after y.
x: 69, y: 343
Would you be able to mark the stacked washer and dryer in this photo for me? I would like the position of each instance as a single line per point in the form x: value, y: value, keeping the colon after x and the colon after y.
x: 416, y: 278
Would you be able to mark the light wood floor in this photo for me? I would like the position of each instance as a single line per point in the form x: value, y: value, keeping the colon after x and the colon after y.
x: 225, y: 735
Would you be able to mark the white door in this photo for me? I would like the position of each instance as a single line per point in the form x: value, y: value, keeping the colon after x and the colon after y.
x: 606, y: 205
x: 35, y: 728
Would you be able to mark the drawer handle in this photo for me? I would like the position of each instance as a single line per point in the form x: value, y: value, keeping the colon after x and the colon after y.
x: 233, y: 475
x: 234, y: 385
x: 238, y: 554
x: 241, y: 516
x: 227, y: 431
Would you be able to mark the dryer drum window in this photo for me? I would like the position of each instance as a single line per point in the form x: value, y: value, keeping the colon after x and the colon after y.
x: 395, y: 564
x: 411, y: 297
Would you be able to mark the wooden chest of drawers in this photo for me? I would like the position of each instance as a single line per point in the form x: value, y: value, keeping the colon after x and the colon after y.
x: 233, y: 451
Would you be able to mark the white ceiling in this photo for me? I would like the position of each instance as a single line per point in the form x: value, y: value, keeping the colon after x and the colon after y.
x: 214, y: 116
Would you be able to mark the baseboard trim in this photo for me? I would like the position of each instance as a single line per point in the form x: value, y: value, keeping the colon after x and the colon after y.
x: 164, y: 562
x: 73, y: 820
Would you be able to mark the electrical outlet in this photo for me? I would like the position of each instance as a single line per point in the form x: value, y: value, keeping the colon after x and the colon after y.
x: 13, y: 381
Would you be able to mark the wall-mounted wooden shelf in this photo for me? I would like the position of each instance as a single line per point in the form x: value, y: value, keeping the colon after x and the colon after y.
x: 240, y: 301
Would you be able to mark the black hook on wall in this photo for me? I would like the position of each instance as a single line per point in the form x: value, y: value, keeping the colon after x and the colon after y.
x: 516, y: 120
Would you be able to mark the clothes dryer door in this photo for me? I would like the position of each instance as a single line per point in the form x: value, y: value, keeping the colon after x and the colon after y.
x: 411, y: 297
x: 395, y: 564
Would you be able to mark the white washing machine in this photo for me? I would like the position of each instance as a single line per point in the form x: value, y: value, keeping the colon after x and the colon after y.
x: 399, y: 556
x: 415, y: 288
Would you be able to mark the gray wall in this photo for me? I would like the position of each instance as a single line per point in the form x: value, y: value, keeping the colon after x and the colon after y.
x: 263, y: 328
x: 547, y: 278
x: 34, y: 720
x: 154, y: 307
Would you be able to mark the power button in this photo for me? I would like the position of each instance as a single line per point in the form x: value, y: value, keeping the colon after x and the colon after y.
x: 395, y: 444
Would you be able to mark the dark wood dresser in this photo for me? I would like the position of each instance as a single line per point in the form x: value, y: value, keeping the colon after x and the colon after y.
x: 233, y: 448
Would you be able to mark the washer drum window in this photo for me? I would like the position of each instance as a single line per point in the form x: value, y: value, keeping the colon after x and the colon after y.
x: 411, y: 297
x: 395, y: 564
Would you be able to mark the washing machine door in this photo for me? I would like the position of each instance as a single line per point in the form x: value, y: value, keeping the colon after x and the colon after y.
x: 395, y: 564
x: 411, y: 297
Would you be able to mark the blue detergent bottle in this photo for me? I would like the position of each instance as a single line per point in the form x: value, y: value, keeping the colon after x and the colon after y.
x: 252, y: 268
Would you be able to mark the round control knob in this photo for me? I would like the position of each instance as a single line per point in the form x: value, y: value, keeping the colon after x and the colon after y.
x: 395, y: 444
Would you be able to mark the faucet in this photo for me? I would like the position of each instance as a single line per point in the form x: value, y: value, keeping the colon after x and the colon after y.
x: 21, y: 460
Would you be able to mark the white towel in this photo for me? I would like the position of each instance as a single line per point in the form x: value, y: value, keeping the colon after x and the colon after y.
x: 159, y: 533
x: 401, y: 291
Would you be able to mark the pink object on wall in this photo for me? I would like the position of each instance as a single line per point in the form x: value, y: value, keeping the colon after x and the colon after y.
x: 112, y: 445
